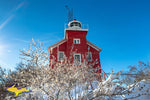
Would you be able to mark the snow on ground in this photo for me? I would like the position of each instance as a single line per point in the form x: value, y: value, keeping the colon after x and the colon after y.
x: 140, y: 92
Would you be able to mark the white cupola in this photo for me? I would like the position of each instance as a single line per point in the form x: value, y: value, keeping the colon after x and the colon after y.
x: 74, y: 24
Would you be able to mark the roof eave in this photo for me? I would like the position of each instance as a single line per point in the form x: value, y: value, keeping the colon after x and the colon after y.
x: 58, y: 43
x: 94, y: 46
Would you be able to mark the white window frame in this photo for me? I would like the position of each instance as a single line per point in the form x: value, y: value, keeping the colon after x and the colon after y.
x: 58, y: 55
x: 76, y: 41
x: 80, y: 59
x: 89, y: 53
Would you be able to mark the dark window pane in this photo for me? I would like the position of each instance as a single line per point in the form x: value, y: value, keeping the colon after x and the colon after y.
x: 77, y: 59
x: 61, y: 56
x: 89, y: 56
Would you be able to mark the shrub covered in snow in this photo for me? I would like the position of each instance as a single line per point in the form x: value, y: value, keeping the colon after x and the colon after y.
x: 66, y: 81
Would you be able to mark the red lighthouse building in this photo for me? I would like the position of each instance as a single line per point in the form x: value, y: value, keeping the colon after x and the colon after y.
x: 75, y: 45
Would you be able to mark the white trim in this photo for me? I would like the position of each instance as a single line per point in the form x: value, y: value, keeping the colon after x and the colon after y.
x: 77, y: 29
x: 94, y: 46
x: 58, y: 55
x: 76, y: 39
x: 58, y: 43
x: 80, y: 58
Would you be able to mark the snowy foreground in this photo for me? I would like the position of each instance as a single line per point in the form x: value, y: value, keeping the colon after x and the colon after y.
x: 109, y: 89
x: 68, y: 81
x: 140, y: 92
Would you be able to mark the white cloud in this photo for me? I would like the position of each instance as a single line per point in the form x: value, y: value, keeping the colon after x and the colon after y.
x: 6, y: 21
x: 11, y: 15
x: 22, y: 40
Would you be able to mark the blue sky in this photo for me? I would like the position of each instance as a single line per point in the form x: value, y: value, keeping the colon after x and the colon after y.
x: 120, y: 27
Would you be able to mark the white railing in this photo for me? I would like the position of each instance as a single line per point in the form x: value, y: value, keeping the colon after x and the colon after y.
x: 84, y: 26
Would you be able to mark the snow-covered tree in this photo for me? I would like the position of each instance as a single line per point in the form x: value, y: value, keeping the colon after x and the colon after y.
x: 59, y: 82
x: 142, y: 71
x: 64, y: 81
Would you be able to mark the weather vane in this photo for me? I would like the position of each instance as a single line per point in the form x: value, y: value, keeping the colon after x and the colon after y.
x: 70, y: 13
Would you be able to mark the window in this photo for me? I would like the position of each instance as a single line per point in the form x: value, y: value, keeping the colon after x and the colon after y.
x: 60, y: 56
x: 75, y: 24
x: 79, y: 25
x: 76, y: 41
x: 89, y: 56
x: 71, y: 24
x: 77, y: 59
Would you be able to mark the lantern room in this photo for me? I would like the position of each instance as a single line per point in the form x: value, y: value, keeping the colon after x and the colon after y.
x: 74, y: 24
